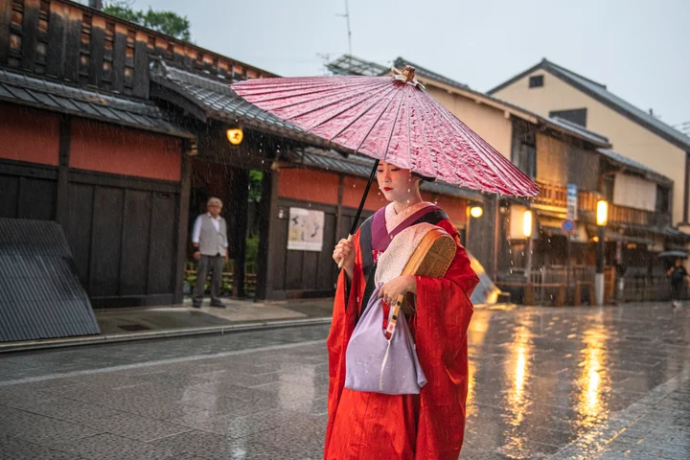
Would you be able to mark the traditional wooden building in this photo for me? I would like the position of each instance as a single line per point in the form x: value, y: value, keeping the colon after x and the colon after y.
x: 512, y: 130
x: 554, y: 91
x: 644, y: 175
x: 120, y: 134
x: 556, y: 152
x: 638, y: 225
x: 298, y: 171
x: 93, y: 139
x: 106, y: 166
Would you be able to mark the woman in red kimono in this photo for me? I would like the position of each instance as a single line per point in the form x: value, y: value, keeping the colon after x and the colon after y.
x: 430, y: 425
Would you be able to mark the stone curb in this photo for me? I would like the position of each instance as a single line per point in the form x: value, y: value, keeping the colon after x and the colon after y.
x: 168, y: 333
x: 259, y: 325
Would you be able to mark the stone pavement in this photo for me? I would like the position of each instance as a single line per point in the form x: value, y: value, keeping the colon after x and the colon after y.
x: 167, y: 318
x: 544, y: 383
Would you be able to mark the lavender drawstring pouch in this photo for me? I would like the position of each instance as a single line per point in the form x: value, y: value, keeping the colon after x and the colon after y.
x: 376, y: 364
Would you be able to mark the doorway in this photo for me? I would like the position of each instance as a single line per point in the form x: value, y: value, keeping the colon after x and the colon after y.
x: 240, y: 190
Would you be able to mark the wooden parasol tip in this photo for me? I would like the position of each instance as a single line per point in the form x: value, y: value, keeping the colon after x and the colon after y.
x: 408, y: 73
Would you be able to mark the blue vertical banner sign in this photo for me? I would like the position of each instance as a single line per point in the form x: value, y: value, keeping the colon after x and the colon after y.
x: 572, y: 202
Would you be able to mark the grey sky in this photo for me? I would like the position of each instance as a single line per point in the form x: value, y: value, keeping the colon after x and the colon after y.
x: 640, y: 49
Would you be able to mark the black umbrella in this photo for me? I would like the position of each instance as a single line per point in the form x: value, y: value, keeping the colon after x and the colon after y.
x: 673, y: 254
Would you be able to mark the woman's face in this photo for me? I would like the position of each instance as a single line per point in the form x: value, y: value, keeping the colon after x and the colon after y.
x: 395, y: 183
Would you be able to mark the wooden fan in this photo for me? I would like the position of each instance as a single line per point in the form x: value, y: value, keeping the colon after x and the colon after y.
x: 432, y: 258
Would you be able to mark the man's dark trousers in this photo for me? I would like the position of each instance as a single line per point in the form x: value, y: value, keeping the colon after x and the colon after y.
x: 215, y: 265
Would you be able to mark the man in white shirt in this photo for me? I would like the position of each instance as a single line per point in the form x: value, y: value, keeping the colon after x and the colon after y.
x: 210, y: 238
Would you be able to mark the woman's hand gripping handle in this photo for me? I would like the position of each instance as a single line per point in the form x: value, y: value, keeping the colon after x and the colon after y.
x: 344, y: 255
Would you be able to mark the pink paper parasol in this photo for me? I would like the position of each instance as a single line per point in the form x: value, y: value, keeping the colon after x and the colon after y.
x: 393, y: 119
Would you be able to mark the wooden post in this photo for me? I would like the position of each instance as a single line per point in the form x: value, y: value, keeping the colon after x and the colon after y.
x: 29, y: 35
x: 240, y: 196
x: 268, y: 213
x: 182, y: 226
x: 339, y: 210
x: 5, y: 18
x: 578, y: 294
x: 62, y: 195
x: 528, y: 297
x: 560, y: 296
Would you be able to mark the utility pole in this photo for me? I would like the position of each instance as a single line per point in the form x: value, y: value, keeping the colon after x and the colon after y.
x: 349, y: 31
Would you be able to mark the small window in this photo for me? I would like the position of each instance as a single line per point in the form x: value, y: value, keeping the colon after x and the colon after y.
x: 577, y: 116
x: 536, y: 81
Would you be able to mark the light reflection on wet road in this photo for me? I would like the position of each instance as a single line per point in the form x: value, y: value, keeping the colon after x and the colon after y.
x: 539, y: 380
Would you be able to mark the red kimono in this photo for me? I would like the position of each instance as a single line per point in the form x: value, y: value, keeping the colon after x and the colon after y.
x: 363, y: 425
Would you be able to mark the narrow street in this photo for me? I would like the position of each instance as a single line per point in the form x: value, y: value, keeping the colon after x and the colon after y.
x: 544, y: 383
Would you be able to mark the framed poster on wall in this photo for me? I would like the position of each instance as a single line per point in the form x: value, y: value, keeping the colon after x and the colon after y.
x: 305, y: 230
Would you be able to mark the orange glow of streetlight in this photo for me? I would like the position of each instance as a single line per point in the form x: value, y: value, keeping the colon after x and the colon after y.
x: 527, y: 224
x: 602, y: 213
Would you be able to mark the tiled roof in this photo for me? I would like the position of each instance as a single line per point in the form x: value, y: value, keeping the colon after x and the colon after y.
x: 22, y: 89
x: 557, y: 124
x: 599, y: 92
x: 639, y: 167
x: 360, y: 166
x: 580, y: 130
x: 351, y: 65
x: 213, y: 96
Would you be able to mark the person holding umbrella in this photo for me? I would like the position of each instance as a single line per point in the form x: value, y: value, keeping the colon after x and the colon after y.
x: 426, y: 425
x: 410, y: 136
x: 678, y: 275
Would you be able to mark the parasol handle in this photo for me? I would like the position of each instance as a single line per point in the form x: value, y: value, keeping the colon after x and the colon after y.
x: 355, y: 222
x: 342, y: 261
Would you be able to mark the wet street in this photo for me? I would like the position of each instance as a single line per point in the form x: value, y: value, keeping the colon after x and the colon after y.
x: 544, y: 383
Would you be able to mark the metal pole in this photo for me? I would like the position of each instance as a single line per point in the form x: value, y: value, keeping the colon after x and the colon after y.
x: 349, y: 31
x: 567, y: 266
x: 599, y: 277
x: 528, y: 270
